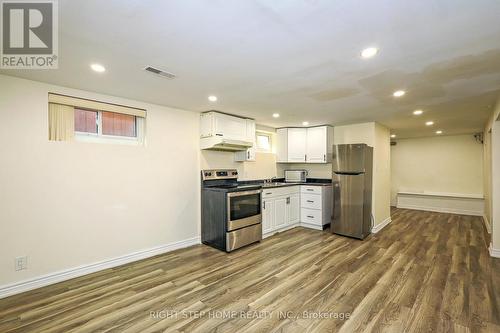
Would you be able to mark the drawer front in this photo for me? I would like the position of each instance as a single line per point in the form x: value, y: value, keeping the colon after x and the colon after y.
x: 244, y: 236
x: 279, y: 191
x: 311, y: 216
x: 312, y: 201
x: 310, y: 189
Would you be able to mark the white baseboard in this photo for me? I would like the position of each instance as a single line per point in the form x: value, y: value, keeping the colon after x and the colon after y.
x: 48, y: 279
x: 494, y: 252
x: 487, y: 224
x: 311, y: 226
x: 442, y: 203
x: 381, y: 225
x: 291, y: 226
x: 288, y: 227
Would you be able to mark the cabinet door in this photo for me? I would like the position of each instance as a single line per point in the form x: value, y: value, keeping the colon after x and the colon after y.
x: 316, y: 144
x: 282, y: 145
x: 297, y: 144
x: 230, y: 127
x: 206, y: 124
x: 267, y: 215
x: 250, y: 126
x: 245, y: 155
x: 280, y: 212
x: 293, y: 209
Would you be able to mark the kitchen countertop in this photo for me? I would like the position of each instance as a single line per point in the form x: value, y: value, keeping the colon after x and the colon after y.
x: 280, y: 182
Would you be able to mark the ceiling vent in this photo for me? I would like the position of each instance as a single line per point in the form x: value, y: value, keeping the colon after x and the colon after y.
x: 160, y: 72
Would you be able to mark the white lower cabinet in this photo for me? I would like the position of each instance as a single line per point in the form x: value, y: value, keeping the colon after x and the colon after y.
x: 289, y: 206
x: 280, y: 212
x: 267, y: 215
x: 280, y: 209
x: 315, y: 206
x: 294, y: 209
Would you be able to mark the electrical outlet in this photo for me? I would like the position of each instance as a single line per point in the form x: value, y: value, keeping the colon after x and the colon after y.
x: 21, y: 263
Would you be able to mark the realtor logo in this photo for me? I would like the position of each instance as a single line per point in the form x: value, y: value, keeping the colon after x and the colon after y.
x: 29, y: 34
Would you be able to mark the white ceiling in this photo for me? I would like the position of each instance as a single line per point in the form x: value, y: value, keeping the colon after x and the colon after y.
x: 297, y: 58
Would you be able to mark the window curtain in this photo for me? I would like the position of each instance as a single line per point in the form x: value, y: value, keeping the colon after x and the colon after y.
x: 61, y: 122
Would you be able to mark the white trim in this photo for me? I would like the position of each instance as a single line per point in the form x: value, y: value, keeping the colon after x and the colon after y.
x: 291, y: 226
x: 487, y: 224
x: 275, y: 231
x: 442, y: 210
x: 48, y: 279
x: 311, y: 226
x: 495, y: 253
x: 381, y: 225
x: 464, y: 204
x: 443, y: 194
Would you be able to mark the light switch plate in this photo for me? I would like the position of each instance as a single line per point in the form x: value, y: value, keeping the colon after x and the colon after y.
x: 21, y: 263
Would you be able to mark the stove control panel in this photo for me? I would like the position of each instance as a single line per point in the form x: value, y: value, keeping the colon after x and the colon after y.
x: 219, y: 174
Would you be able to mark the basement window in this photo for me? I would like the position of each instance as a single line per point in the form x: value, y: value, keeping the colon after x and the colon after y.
x: 105, y: 126
x: 72, y: 118
x: 263, y: 142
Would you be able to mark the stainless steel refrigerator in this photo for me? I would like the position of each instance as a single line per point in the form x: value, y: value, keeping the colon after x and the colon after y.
x: 352, y: 190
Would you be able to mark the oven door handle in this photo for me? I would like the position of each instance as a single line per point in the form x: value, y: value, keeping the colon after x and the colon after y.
x: 242, y: 193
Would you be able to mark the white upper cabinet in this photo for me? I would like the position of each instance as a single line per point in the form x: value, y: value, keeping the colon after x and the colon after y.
x: 282, y: 145
x: 223, y: 125
x: 304, y: 145
x: 297, y: 145
x: 247, y: 155
x: 319, y: 144
x: 250, y: 129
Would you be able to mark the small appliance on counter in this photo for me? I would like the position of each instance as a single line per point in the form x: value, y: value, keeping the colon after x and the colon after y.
x: 231, y: 214
x: 352, y: 190
x: 295, y: 176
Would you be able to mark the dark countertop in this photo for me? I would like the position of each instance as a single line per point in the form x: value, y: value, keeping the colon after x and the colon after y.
x: 280, y: 182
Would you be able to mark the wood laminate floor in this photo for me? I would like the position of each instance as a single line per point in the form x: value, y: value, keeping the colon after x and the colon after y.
x: 425, y: 272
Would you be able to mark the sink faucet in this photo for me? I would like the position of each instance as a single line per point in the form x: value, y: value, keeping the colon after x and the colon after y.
x: 270, y: 180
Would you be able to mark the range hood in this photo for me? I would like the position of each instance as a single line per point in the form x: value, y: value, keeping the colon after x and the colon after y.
x: 224, y: 144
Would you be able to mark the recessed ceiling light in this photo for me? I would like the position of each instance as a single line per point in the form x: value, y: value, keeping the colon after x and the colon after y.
x: 305, y: 123
x: 98, y: 68
x: 393, y: 135
x: 369, y: 52
x: 399, y: 93
x: 439, y: 132
x: 212, y: 98
x: 418, y: 112
x: 276, y: 115
x: 429, y: 123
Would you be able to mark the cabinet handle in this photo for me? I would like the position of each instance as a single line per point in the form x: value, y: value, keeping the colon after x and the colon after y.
x: 288, y: 200
x: 263, y: 205
x: 248, y: 154
x: 309, y: 216
x: 310, y: 201
x: 324, y: 157
x: 305, y: 157
x: 269, y: 193
x: 310, y: 189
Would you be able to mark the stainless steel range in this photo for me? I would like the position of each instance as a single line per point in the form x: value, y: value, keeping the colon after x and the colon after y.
x: 230, y: 212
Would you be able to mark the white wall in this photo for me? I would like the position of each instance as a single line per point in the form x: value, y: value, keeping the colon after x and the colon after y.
x: 65, y: 204
x: 440, y: 164
x: 382, y: 173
